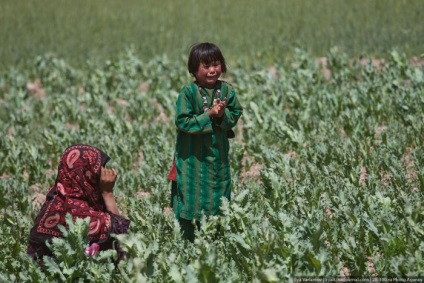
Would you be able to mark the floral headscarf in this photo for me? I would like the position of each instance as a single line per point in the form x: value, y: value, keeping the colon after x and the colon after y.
x: 75, y: 191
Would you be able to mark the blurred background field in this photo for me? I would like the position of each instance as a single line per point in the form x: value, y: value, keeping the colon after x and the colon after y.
x: 97, y: 30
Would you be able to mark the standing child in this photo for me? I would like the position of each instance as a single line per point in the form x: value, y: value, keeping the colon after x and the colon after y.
x: 206, y: 111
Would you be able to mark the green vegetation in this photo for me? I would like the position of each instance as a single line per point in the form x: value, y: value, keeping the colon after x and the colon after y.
x: 327, y: 161
x: 99, y: 30
x: 328, y: 172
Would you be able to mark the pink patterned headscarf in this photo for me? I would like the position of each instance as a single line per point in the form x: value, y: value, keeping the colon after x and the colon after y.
x: 75, y: 191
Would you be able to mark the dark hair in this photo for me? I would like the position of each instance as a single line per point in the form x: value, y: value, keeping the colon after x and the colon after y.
x: 204, y: 53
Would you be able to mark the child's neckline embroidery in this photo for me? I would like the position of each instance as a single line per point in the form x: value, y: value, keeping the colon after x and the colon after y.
x: 215, y: 94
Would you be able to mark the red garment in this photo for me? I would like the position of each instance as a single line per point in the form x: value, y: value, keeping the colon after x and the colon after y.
x: 75, y: 191
x: 173, y: 172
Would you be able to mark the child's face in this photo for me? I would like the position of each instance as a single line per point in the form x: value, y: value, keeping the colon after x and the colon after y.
x: 208, y: 74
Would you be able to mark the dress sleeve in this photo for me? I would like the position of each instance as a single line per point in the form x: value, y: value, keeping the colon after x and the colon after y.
x: 187, y: 119
x: 119, y: 224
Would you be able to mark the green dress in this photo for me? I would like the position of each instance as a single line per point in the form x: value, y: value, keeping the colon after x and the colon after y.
x: 201, y: 154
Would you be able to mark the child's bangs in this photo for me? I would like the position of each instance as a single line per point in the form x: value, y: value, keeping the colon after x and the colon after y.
x: 209, y: 56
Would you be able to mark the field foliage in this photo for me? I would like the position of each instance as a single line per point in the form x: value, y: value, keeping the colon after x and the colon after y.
x: 96, y: 30
x: 327, y: 168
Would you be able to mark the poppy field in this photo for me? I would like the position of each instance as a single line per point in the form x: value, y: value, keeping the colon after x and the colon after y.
x: 327, y: 159
x: 327, y: 167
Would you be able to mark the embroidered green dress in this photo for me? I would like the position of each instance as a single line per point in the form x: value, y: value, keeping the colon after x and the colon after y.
x: 201, y: 155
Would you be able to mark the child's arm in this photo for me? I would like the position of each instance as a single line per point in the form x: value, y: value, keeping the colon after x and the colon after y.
x: 187, y: 120
x: 106, y: 184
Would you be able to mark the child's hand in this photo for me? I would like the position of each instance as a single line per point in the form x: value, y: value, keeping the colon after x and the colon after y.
x: 213, y: 112
x: 221, y: 107
x: 107, y: 180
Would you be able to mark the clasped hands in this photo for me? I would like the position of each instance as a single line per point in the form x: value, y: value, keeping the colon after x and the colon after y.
x: 218, y: 109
